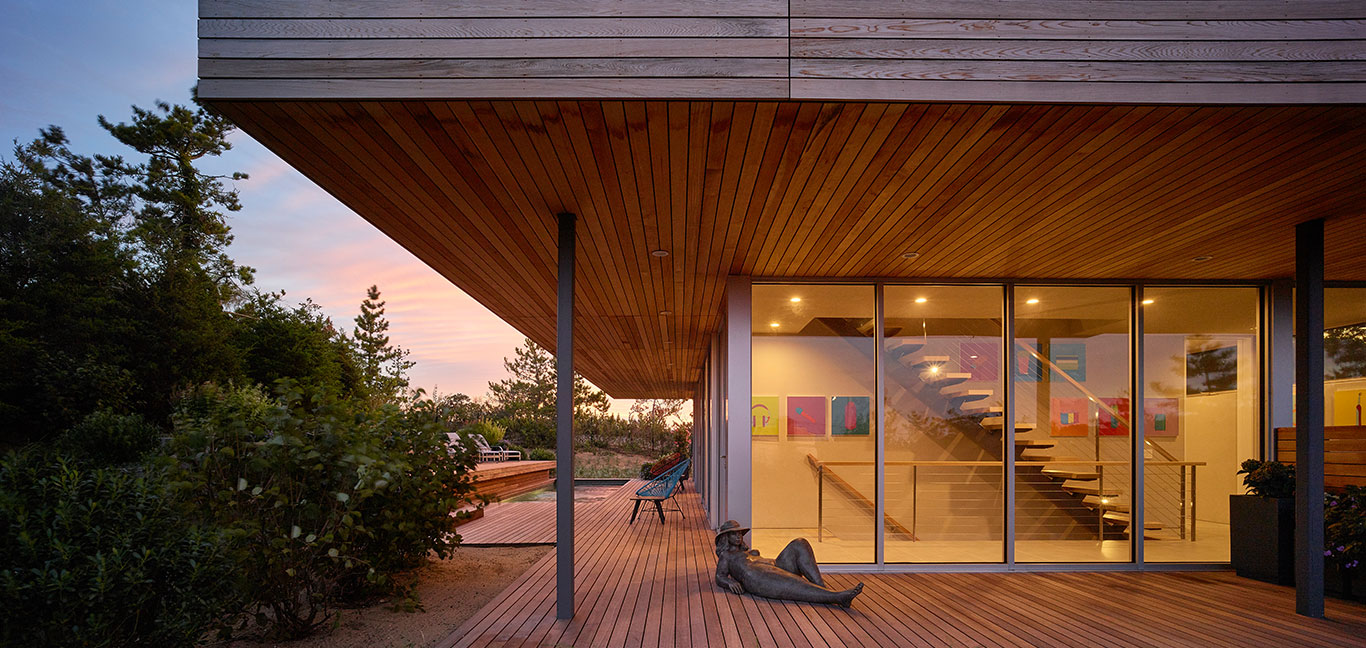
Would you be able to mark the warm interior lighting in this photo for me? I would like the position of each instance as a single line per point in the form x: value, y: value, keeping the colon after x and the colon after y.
x: 773, y: 324
x: 973, y: 357
x: 1104, y: 500
x: 795, y: 299
x: 1203, y: 257
x: 920, y: 300
x: 910, y: 255
x: 664, y: 312
x: 659, y: 253
x: 1031, y: 301
x: 934, y: 369
x: 1147, y: 301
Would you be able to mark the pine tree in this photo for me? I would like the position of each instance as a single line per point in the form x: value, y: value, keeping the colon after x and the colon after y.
x: 384, y: 368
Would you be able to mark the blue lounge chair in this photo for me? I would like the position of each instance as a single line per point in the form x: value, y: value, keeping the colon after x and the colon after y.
x: 659, y: 489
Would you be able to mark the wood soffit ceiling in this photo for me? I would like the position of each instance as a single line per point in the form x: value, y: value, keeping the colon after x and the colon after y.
x: 808, y: 189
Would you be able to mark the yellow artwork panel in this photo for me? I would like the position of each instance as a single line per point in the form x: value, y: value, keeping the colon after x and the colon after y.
x: 763, y: 416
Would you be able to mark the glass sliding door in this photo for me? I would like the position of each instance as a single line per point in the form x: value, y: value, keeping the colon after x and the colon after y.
x: 943, y: 431
x: 1071, y: 384
x: 813, y: 420
x: 1200, y: 411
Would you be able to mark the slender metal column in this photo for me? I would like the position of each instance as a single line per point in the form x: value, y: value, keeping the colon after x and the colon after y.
x: 1309, y: 411
x: 1137, y: 429
x: 879, y: 458
x: 564, y: 425
x: 1008, y: 421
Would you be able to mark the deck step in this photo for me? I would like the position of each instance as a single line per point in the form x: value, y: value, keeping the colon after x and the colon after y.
x: 1076, y: 475
x: 1025, y: 444
x: 1088, y: 490
x: 1123, y: 519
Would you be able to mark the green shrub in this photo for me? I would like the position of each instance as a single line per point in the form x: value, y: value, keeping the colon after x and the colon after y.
x: 325, y: 500
x: 1268, y: 478
x: 107, y: 438
x: 541, y: 454
x: 491, y: 432
x: 102, y: 557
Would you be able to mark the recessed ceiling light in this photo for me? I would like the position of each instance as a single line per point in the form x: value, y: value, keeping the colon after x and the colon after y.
x: 795, y: 299
x: 1203, y: 257
x: 664, y: 312
x: 910, y: 255
x: 659, y: 253
x: 920, y: 300
x: 773, y: 324
x: 1147, y: 301
x: 973, y: 357
x: 1031, y: 300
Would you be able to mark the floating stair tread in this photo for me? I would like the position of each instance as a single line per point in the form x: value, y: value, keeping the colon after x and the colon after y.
x: 1088, y: 490
x: 904, y: 349
x: 1077, y: 475
x: 928, y: 360
x: 944, y: 378
x: 1051, y: 458
x: 996, y: 422
x: 971, y: 407
x: 970, y: 395
x: 1031, y: 443
x: 1123, y: 518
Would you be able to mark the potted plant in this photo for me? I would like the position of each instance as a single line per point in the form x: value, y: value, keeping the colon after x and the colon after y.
x: 1344, y: 519
x: 1262, y: 523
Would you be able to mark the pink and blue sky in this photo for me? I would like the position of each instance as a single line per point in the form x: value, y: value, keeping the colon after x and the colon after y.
x: 65, y: 61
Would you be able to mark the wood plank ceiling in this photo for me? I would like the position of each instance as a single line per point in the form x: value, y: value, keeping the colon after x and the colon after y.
x: 807, y: 189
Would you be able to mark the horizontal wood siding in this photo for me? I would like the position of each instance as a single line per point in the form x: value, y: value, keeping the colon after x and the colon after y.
x: 1344, y: 454
x: 1153, y: 51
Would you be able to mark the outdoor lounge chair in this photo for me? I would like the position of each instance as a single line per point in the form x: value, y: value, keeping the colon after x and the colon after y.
x: 659, y: 489
x: 482, y: 445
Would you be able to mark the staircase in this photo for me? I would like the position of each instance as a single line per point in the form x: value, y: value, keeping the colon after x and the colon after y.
x: 1073, y: 486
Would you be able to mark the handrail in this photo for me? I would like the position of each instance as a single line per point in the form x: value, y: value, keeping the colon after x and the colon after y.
x: 998, y: 463
x: 855, y: 495
x: 1095, y: 399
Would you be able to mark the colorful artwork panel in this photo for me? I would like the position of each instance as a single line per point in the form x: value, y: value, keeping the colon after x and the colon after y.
x: 849, y: 415
x: 1069, y: 417
x: 1070, y: 359
x: 981, y: 359
x: 1113, y: 419
x: 1348, y: 405
x: 806, y: 416
x: 763, y: 416
x: 1161, y: 417
x: 1027, y: 368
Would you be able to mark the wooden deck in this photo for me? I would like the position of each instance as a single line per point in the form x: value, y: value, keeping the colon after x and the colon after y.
x: 650, y: 585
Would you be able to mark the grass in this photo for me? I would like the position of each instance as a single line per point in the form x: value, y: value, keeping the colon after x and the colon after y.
x: 608, y: 465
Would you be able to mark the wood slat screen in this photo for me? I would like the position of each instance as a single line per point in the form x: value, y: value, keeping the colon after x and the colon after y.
x: 1142, y: 51
x: 1344, y: 454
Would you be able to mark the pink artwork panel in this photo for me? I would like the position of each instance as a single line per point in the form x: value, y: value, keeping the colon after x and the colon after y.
x: 1069, y: 417
x: 806, y: 416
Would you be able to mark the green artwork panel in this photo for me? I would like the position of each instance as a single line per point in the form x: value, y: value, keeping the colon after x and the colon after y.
x: 849, y: 415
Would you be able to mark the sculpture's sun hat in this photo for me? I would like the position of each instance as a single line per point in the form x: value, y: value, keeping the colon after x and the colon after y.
x: 730, y: 526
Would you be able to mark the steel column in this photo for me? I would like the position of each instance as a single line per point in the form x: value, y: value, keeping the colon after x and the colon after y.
x: 1309, y: 411
x: 1008, y: 422
x: 1137, y: 432
x: 564, y: 425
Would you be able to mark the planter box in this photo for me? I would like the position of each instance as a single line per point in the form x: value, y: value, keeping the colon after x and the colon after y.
x: 474, y: 514
x: 1344, y: 583
x: 1262, y: 538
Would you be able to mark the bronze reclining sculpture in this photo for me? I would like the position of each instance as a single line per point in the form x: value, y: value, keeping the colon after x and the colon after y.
x: 793, y: 576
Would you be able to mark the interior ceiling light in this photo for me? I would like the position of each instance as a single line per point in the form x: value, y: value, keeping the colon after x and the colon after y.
x: 1202, y: 258
x: 659, y: 253
x: 795, y: 299
x: 910, y: 255
x: 1032, y: 300
x: 664, y: 312
x: 1147, y: 302
x: 920, y: 300
x: 773, y: 324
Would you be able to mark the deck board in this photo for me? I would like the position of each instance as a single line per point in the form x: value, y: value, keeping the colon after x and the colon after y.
x: 650, y: 585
